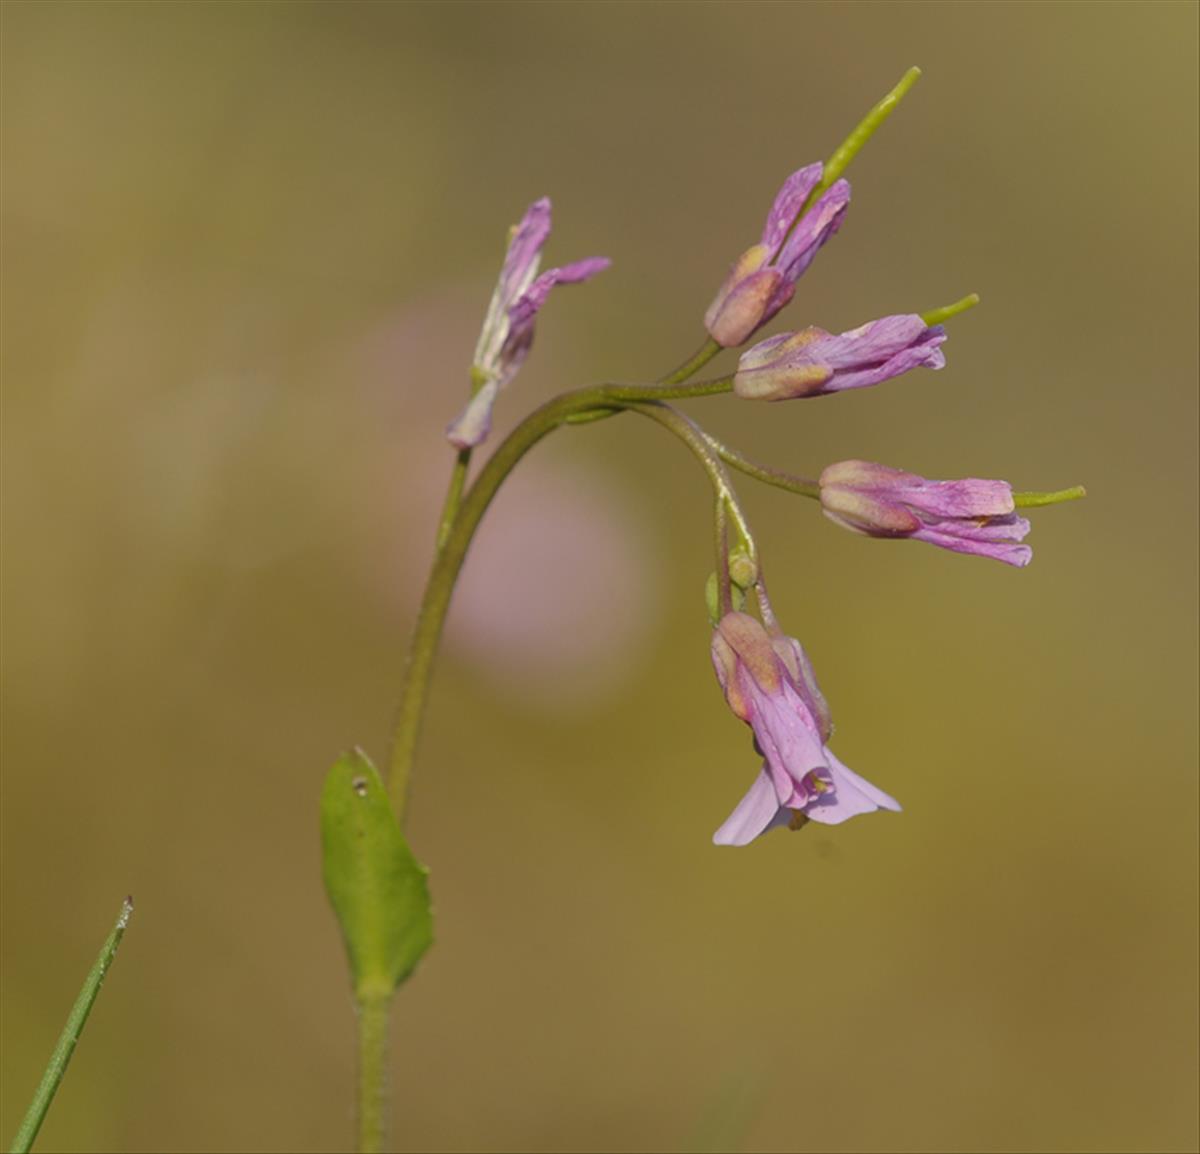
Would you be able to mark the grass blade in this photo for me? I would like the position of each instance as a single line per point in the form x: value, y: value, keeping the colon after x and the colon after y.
x: 46, y: 1090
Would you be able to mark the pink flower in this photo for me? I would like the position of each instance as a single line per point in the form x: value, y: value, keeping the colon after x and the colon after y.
x: 968, y: 516
x: 507, y: 331
x: 763, y: 279
x: 812, y: 361
x: 769, y: 684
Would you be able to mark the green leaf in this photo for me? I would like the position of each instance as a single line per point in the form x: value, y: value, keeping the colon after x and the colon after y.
x: 377, y: 888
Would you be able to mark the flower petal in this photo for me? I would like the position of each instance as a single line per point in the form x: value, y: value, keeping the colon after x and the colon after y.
x: 979, y: 542
x: 753, y: 815
x: 525, y: 251
x: 851, y: 796
x: 787, y: 736
x: 580, y: 270
x: 815, y: 228
x: 874, y: 342
x: 971, y: 497
x: 788, y: 202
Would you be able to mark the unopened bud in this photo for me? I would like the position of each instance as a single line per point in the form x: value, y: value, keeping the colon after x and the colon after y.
x: 712, y: 599
x: 743, y: 569
x: 968, y: 516
x: 812, y: 361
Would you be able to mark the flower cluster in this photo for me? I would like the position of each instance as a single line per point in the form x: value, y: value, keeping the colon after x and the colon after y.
x: 765, y: 675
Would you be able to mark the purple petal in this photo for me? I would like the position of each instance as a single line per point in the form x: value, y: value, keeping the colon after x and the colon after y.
x: 529, y: 303
x: 872, y: 343
x: 523, y: 312
x: 1010, y: 528
x: 851, y: 796
x: 792, y: 654
x: 753, y: 815
x: 525, y: 250
x: 919, y: 356
x: 787, y: 736
x: 970, y: 497
x: 995, y: 540
x: 472, y: 426
x: 581, y: 270
x: 788, y: 202
x: 815, y: 228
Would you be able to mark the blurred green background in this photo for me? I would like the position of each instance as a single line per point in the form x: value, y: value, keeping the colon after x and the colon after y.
x: 247, y: 249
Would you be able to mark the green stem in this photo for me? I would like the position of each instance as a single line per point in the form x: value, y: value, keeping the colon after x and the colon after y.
x: 764, y: 473
x: 66, y: 1043
x: 721, y: 549
x: 703, y: 450
x: 448, y: 562
x: 458, y: 480
x: 693, y: 364
x: 1032, y: 500
x: 372, y: 1070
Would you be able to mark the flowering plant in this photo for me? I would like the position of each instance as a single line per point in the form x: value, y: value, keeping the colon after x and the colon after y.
x: 377, y: 887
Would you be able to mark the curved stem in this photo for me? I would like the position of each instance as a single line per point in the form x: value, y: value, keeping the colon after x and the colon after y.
x: 764, y: 473
x: 448, y: 562
x: 721, y: 552
x: 666, y: 390
x: 693, y: 364
x: 458, y: 480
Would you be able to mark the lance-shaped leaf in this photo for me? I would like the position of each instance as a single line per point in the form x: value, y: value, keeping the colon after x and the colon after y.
x: 377, y: 888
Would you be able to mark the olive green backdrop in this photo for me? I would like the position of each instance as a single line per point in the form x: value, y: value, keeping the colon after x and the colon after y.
x: 247, y: 248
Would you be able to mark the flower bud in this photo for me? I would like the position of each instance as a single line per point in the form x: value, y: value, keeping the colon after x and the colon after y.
x: 743, y: 569
x: 812, y: 361
x: 763, y: 279
x: 967, y: 516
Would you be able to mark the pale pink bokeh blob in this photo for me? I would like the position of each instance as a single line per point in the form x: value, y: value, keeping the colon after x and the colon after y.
x: 560, y: 585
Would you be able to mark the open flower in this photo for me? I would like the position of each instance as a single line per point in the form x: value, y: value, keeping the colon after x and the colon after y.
x: 507, y: 331
x: 763, y: 279
x: 812, y: 361
x: 769, y: 684
x: 969, y: 516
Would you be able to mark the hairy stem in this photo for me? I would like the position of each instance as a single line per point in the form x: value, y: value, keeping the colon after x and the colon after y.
x: 764, y: 473
x: 372, y: 1071
x: 698, y: 441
